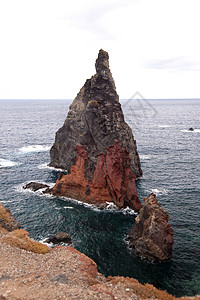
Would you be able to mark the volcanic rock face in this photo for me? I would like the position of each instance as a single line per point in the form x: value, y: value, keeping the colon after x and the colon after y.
x: 96, y: 145
x: 113, y: 179
x: 152, y: 236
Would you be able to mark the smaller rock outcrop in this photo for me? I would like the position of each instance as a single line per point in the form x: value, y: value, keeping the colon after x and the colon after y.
x: 35, y: 186
x: 7, y: 221
x: 152, y: 235
x: 59, y: 238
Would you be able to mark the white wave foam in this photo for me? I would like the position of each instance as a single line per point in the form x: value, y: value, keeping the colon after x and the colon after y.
x: 45, y: 166
x: 128, y: 211
x: 6, y: 201
x: 111, y: 206
x: 50, y: 245
x: 195, y: 130
x: 145, y: 157
x: 159, y: 191
x: 34, y: 148
x: 164, y: 126
x: 5, y: 163
x: 68, y: 207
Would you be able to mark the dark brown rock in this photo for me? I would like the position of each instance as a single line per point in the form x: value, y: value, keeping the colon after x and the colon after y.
x: 60, y: 278
x: 152, y: 236
x: 35, y: 186
x: 95, y: 120
x: 59, y: 237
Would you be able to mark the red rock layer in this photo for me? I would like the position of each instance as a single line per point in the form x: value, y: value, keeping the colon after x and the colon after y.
x: 113, y: 179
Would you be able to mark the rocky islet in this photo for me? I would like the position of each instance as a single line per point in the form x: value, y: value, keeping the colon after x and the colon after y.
x: 95, y: 120
x: 97, y: 146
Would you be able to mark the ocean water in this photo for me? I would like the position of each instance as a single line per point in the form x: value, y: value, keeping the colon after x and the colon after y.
x: 171, y: 166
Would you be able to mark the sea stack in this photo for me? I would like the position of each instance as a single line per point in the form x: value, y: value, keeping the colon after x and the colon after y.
x: 96, y: 146
x: 152, y: 235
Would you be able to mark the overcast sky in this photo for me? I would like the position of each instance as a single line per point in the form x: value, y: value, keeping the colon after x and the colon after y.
x: 48, y: 47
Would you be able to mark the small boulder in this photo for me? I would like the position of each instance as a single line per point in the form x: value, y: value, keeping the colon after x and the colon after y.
x: 35, y: 186
x: 59, y: 237
x: 60, y: 278
x: 191, y: 129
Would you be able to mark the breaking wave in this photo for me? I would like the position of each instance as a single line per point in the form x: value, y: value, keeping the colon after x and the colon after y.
x: 110, y: 206
x: 51, y: 245
x: 164, y: 126
x: 68, y: 207
x: 186, y: 130
x: 159, y: 191
x: 45, y: 166
x: 7, y: 201
x: 145, y: 157
x: 34, y: 148
x: 5, y: 163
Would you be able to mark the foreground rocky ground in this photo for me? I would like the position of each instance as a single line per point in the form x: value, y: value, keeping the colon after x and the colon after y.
x: 64, y: 273
x: 31, y: 270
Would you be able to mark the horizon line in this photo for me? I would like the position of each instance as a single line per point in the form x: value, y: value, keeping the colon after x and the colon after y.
x: 64, y: 99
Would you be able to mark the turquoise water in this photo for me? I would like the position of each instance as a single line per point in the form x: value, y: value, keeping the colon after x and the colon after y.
x: 171, y: 166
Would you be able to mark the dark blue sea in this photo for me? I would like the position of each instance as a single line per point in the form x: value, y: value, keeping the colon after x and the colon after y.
x: 171, y: 165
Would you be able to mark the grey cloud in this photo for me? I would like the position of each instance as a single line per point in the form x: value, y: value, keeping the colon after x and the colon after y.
x: 173, y: 64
